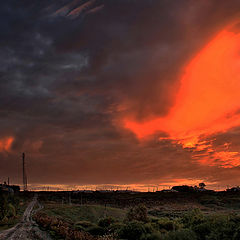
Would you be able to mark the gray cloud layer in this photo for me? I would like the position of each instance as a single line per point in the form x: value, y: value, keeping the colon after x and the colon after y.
x: 68, y: 69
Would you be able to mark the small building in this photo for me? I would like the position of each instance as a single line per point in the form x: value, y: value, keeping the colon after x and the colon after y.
x: 183, y: 188
x: 9, y: 188
x: 234, y: 189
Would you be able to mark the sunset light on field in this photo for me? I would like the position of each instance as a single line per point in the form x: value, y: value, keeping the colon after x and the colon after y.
x: 208, y: 100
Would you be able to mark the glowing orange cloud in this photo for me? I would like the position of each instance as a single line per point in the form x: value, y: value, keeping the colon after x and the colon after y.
x: 6, y: 143
x: 225, y: 159
x: 208, y: 100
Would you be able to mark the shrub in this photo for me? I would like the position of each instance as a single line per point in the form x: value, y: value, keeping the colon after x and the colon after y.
x: 58, y: 227
x: 8, y: 208
x: 106, y: 237
x: 106, y: 222
x: 4, y: 220
x: 132, y: 231
x: 83, y: 225
x: 167, y: 224
x: 148, y: 227
x: 115, y: 227
x: 221, y: 227
x: 3, y: 206
x: 236, y: 235
x: 152, y: 236
x: 202, y: 230
x: 216, y: 227
x: 96, y: 230
x: 79, y: 228
x: 193, y: 217
x: 11, y: 211
x: 138, y: 213
x: 183, y: 234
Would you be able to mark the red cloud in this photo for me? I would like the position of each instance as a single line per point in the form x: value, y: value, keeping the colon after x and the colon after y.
x: 208, y: 100
x: 6, y: 143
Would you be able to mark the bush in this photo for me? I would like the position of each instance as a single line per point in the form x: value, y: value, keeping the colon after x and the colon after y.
x: 202, y: 230
x: 165, y: 224
x: 148, y: 227
x: 152, y: 236
x: 106, y: 222
x: 4, y: 220
x: 193, y: 217
x: 216, y: 227
x: 96, y: 230
x: 83, y: 225
x: 107, y: 237
x: 11, y: 210
x: 138, y: 213
x: 221, y: 227
x: 58, y: 227
x: 183, y: 234
x: 236, y: 235
x: 8, y: 208
x: 115, y: 227
x: 132, y: 231
x: 3, y: 206
x: 79, y: 228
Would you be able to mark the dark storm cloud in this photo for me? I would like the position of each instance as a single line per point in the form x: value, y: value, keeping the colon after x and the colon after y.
x: 68, y: 69
x: 145, y: 42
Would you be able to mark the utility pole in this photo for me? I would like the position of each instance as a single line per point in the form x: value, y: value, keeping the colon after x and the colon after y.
x: 24, y: 173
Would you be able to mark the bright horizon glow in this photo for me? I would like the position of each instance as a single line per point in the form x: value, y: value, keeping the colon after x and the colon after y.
x: 141, y: 187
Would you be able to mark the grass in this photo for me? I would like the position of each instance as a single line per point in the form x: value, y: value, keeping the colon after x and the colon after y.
x: 75, y: 213
x: 12, y: 222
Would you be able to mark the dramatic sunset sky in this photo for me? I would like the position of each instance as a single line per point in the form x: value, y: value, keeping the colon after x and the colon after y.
x: 138, y: 93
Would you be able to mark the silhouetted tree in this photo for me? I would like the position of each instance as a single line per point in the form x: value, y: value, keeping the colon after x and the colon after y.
x: 202, y: 185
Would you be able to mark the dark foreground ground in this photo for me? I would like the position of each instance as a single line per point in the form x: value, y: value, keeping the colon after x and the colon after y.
x: 26, y: 229
x: 133, y: 216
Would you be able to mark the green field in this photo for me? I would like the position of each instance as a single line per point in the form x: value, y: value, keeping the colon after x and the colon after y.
x: 75, y: 213
x: 142, y: 216
x: 11, y: 218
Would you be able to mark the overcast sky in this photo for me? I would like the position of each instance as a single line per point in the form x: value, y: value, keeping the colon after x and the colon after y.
x: 91, y: 91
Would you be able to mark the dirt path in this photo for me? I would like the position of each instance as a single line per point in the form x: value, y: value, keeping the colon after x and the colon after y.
x: 27, y: 229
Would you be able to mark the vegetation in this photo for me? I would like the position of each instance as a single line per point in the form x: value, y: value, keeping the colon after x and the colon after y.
x: 145, y: 216
x: 11, y: 210
x: 76, y: 213
x: 138, y: 213
x: 91, y: 222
